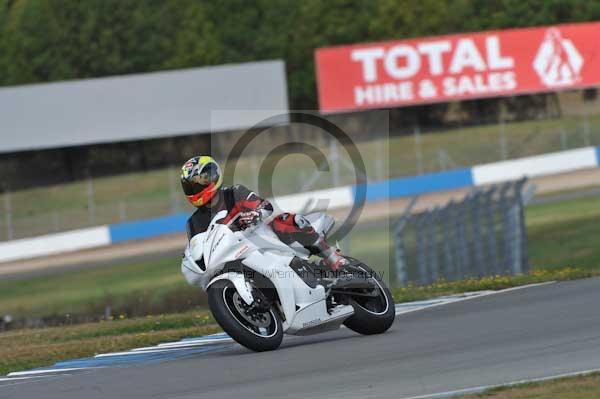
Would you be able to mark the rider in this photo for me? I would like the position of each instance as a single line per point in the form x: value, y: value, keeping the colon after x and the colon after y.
x: 201, y: 180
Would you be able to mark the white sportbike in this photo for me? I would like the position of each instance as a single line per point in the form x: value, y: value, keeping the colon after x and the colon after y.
x: 260, y: 288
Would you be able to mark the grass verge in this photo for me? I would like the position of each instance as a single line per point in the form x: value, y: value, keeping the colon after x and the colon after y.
x: 579, y: 387
x: 560, y: 234
x: 565, y: 233
x: 142, y: 288
x: 442, y: 288
x: 29, y: 348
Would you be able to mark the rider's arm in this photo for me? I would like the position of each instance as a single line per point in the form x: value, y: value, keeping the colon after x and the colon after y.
x: 197, y: 223
x: 247, y: 200
x: 188, y: 230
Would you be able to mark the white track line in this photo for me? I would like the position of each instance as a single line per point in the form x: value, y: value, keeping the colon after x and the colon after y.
x: 480, y: 389
x: 45, y: 371
x: 194, y: 342
x: 131, y: 352
x: 520, y: 287
x: 159, y: 349
x: 466, y: 298
x: 402, y: 308
x: 20, y: 378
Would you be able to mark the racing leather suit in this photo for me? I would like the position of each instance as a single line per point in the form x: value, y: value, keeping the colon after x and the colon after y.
x: 289, y: 227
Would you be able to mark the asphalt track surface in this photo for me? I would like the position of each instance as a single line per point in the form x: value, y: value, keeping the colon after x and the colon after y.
x: 528, y: 333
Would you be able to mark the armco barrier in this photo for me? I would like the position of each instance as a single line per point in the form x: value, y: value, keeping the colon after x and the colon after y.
x: 339, y: 197
x: 52, y: 244
x: 540, y: 165
x: 141, y: 229
x: 414, y: 185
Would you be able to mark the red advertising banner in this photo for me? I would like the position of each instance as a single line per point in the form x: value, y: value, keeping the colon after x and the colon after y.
x: 457, y: 67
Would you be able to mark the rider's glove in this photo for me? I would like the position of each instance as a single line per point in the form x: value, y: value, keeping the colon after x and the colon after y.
x: 248, y: 218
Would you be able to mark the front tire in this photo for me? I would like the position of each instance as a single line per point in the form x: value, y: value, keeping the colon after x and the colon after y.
x: 258, y: 331
x: 371, y: 315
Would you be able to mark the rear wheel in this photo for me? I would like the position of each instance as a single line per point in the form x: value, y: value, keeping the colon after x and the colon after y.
x: 256, y: 329
x: 374, y: 310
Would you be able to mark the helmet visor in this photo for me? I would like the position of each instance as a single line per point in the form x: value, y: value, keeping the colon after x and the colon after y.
x: 196, y: 183
x: 191, y: 187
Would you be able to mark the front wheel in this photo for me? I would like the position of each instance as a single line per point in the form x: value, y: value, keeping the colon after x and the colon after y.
x: 375, y: 313
x: 255, y: 329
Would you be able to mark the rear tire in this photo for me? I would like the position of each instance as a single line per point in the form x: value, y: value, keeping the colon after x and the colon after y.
x: 371, y: 316
x: 263, y: 335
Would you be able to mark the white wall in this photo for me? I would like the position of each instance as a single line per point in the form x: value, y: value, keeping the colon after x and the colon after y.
x: 52, y: 244
x: 139, y: 106
x: 540, y: 165
x: 331, y: 198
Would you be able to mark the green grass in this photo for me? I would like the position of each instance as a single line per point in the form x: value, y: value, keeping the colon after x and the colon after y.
x: 136, y: 289
x: 494, y: 283
x: 560, y: 235
x: 565, y: 234
x: 562, y: 241
x: 140, y: 288
x: 579, y: 387
x: 140, y: 195
x: 29, y: 348
x: 578, y: 210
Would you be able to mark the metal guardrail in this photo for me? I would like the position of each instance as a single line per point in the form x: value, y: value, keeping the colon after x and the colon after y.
x: 483, y: 234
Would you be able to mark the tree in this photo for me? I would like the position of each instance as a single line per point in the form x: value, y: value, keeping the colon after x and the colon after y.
x: 48, y: 40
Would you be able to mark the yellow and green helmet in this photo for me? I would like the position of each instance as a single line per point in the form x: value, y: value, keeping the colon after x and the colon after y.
x: 201, y: 177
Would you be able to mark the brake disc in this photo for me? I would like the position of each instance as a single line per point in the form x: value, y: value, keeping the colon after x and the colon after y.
x: 250, y: 314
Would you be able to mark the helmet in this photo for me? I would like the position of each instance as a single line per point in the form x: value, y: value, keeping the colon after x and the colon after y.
x: 201, y: 177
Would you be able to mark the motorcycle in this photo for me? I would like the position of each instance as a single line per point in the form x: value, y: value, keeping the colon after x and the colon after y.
x: 260, y: 288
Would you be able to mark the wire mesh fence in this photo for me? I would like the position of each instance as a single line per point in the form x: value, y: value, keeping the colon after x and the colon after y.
x: 483, y: 234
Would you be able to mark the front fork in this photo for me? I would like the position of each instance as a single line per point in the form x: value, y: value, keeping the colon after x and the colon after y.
x: 241, y: 285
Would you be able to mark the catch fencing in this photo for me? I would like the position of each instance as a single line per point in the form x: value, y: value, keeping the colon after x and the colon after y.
x: 483, y: 234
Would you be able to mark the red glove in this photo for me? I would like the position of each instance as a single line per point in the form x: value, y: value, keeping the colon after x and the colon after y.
x: 248, y: 218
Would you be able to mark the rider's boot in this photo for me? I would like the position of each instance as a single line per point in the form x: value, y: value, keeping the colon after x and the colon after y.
x: 335, y: 261
x: 332, y: 256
